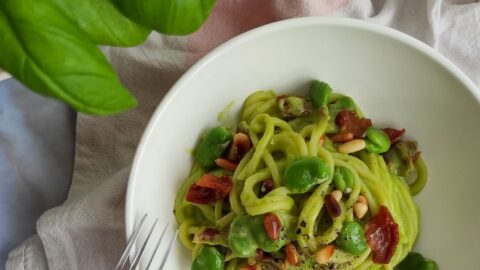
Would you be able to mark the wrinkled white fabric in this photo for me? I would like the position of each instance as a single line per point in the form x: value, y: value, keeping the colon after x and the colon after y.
x: 87, y: 232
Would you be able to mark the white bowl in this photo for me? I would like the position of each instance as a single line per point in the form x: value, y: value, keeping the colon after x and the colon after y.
x: 395, y: 79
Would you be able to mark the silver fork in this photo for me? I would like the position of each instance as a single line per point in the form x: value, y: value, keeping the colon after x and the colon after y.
x: 136, y: 258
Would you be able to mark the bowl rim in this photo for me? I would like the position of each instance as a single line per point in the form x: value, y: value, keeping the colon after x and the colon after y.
x: 251, y: 34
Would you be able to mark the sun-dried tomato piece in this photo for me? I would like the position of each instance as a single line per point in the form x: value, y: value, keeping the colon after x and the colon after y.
x: 209, y: 189
x: 348, y: 121
x: 208, y: 234
x: 394, y: 134
x: 201, y: 195
x: 381, y: 233
x: 222, y: 184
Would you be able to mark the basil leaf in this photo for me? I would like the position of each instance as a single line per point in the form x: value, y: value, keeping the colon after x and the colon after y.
x: 102, y: 21
x: 174, y: 17
x: 45, y: 50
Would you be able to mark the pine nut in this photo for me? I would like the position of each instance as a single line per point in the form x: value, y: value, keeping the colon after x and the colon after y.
x: 352, y: 146
x: 342, y: 137
x: 225, y: 164
x: 272, y: 226
x: 360, y: 210
x: 362, y: 199
x: 292, y: 254
x: 325, y: 254
x: 332, y: 206
x: 337, y: 194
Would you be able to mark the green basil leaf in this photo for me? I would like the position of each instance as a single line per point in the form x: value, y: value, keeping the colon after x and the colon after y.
x: 47, y: 51
x: 174, y: 17
x: 103, y: 22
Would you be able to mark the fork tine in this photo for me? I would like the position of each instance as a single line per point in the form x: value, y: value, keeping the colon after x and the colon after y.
x: 156, y: 247
x: 142, y: 249
x: 165, y: 256
x: 133, y: 238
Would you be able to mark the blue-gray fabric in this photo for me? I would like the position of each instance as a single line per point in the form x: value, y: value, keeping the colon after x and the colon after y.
x: 36, y: 160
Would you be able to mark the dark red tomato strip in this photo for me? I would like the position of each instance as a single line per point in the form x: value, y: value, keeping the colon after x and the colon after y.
x: 395, y: 135
x: 208, y: 234
x: 201, y: 195
x: 382, y: 236
x: 209, y: 189
x: 348, y: 121
x: 222, y: 184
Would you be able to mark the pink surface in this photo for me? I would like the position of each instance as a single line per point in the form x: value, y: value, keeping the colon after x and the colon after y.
x: 231, y: 18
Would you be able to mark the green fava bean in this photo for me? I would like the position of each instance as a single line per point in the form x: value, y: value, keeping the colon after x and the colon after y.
x: 429, y: 265
x: 247, y: 234
x: 209, y: 259
x: 341, y: 104
x: 319, y: 93
x: 338, y: 180
x: 352, y: 238
x: 377, y: 141
x: 211, y: 146
x: 240, y: 238
x: 416, y: 261
x: 343, y: 178
x: 303, y: 174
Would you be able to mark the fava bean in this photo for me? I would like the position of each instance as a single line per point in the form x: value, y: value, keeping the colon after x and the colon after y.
x: 211, y: 146
x: 247, y: 234
x: 319, y: 93
x: 416, y: 261
x: 377, y: 141
x: 303, y: 174
x: 352, y: 239
x: 209, y: 258
x: 343, y: 178
x: 342, y: 103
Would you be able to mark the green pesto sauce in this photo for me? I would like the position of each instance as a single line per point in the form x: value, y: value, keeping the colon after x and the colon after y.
x: 308, y: 261
x: 225, y: 117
